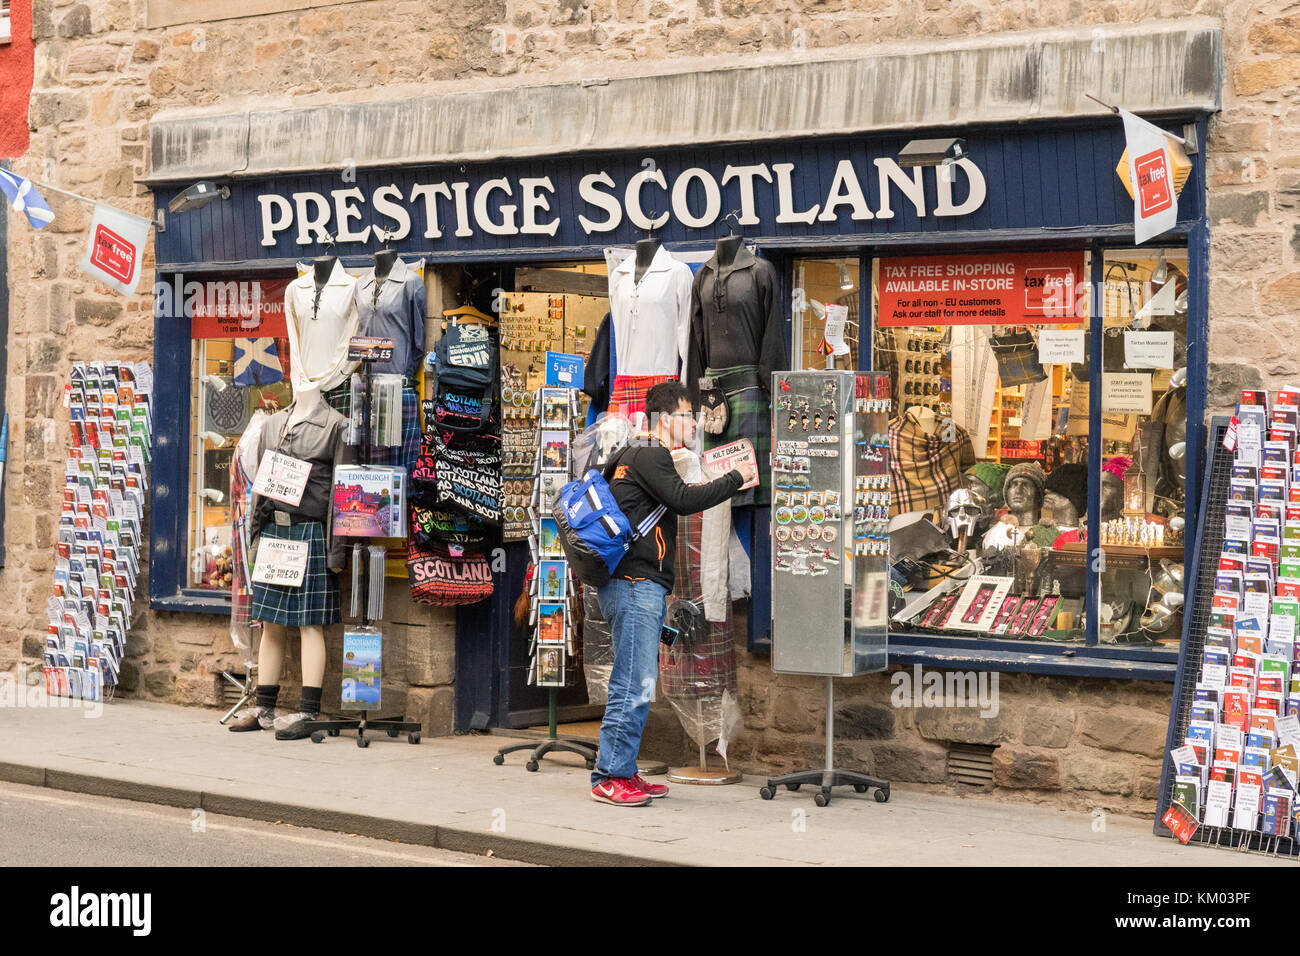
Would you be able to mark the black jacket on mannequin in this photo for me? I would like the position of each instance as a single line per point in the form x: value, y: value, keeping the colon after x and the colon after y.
x: 736, y: 319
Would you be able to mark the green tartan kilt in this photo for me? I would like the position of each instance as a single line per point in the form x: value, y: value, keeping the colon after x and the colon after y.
x: 749, y: 415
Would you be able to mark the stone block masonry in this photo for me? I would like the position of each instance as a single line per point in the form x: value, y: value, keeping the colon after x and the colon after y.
x: 101, y: 73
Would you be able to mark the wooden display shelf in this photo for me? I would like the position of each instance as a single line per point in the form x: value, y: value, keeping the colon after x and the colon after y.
x: 1120, y: 557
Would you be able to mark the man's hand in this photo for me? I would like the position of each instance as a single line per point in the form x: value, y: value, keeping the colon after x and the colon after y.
x: 748, y: 469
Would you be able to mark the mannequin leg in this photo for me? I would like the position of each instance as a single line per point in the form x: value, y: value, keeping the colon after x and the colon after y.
x: 313, y: 656
x: 270, y: 654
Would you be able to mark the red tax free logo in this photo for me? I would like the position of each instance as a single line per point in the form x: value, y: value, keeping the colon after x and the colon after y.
x: 113, y: 254
x: 1154, y: 192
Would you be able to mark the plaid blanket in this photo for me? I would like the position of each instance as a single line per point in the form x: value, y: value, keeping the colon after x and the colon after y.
x: 700, y: 665
x: 924, y: 469
x: 627, y: 397
x: 749, y: 415
x: 340, y: 399
x: 316, y: 601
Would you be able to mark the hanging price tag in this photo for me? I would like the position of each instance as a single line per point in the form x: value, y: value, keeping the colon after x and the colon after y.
x: 281, y: 562
x: 281, y: 477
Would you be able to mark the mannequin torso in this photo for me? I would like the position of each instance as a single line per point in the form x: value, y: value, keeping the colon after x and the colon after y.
x: 384, y: 260
x: 645, y: 254
x: 726, y: 249
x: 305, y: 401
x: 321, y: 270
x: 924, y: 417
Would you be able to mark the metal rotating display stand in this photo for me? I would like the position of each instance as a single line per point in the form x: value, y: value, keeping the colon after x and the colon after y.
x: 393, y: 726
x: 829, y: 777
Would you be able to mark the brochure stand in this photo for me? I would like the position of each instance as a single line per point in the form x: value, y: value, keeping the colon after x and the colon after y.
x: 553, y: 742
x: 367, y: 351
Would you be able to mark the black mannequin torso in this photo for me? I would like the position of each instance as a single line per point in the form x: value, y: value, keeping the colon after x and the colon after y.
x: 727, y: 248
x: 384, y: 260
x: 645, y: 253
x: 321, y: 270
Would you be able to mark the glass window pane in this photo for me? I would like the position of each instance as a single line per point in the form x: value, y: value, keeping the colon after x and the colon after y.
x: 1144, y: 421
x: 989, y: 462
x: 818, y: 283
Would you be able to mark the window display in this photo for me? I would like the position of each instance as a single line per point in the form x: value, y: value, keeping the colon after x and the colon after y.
x: 991, y: 443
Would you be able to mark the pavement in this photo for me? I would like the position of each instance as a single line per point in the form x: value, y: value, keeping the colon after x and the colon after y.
x: 446, y: 793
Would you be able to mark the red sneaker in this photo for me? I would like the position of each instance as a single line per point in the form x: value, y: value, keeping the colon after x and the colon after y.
x: 621, y: 792
x: 655, y: 790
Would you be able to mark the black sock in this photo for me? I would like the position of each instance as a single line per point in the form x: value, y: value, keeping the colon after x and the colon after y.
x: 266, y: 695
x: 311, y: 700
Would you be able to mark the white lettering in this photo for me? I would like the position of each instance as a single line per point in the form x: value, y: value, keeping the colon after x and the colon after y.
x: 385, y: 204
x: 462, y: 209
x: 785, y: 197
x: 429, y: 193
x: 845, y: 191
x: 974, y: 200
x: 601, y: 200
x: 745, y: 175
x: 311, y: 228
x: 271, y: 225
x: 712, y: 198
x: 534, y: 201
x: 345, y: 209
x: 890, y: 172
x: 632, y: 199
x: 506, y: 227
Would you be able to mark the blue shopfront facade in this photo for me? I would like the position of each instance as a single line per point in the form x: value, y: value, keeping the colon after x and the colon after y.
x: 1032, y: 186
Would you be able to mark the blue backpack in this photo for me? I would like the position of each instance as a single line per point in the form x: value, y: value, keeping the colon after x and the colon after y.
x: 593, y: 531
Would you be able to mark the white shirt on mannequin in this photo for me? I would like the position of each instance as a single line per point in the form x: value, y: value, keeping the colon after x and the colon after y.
x: 652, y: 318
x: 318, y: 347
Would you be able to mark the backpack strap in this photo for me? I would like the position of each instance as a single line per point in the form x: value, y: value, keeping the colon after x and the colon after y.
x: 650, y: 520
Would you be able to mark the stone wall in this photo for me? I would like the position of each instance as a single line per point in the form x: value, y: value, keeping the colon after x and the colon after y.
x: 100, y: 74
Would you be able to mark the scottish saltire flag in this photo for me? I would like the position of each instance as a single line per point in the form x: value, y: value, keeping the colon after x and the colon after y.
x: 257, y: 362
x: 25, y: 199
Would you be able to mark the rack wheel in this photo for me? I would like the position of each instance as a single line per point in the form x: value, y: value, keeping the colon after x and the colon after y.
x: 318, y: 736
x: 413, y: 738
x: 392, y: 731
x: 332, y: 733
x: 591, y: 765
x: 498, y: 759
x: 767, y: 793
x: 882, y: 796
x: 861, y: 788
x: 362, y: 742
x: 792, y: 787
x: 531, y: 766
x: 821, y: 798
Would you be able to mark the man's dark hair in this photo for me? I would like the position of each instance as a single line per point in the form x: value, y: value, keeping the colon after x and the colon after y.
x: 662, y: 399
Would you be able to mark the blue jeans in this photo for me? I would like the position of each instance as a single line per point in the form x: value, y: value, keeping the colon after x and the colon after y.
x: 635, y: 611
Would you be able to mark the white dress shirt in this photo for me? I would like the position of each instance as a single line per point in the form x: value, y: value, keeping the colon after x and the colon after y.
x: 652, y: 318
x: 319, y: 331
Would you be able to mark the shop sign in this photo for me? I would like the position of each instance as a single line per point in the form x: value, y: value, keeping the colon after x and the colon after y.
x: 697, y: 197
x: 988, y: 289
x: 228, y: 308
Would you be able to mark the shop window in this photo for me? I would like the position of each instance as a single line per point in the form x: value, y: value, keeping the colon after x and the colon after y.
x: 817, y: 284
x: 990, y: 446
x: 1144, y: 423
x: 238, y: 365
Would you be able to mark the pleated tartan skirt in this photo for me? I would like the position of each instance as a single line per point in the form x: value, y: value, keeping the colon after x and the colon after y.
x: 316, y: 601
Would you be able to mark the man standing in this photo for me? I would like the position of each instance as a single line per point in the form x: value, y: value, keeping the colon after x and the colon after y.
x: 635, y: 599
